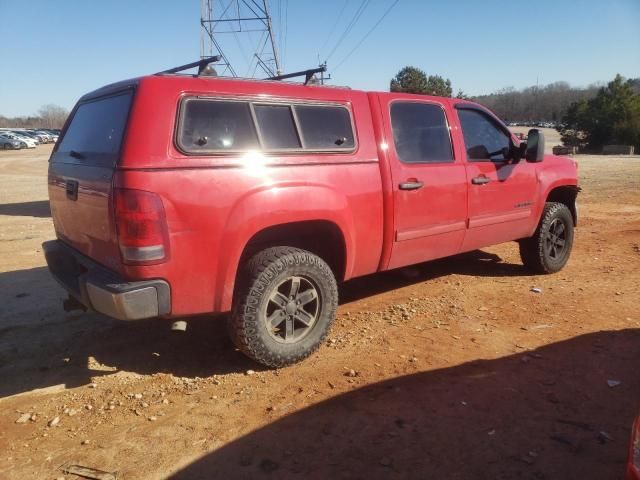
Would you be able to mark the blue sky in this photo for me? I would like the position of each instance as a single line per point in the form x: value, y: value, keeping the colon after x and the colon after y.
x: 53, y: 52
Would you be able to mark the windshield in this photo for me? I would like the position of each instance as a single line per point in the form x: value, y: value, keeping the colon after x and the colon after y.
x: 95, y: 132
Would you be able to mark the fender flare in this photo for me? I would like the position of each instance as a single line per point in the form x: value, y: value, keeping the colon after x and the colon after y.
x: 558, y: 183
x: 261, y: 208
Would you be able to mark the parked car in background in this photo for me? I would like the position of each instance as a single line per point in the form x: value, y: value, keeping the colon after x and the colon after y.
x: 53, y: 137
x: 28, y: 135
x: 47, y: 138
x: 38, y: 136
x: 25, y: 142
x: 8, y: 143
x: 41, y: 138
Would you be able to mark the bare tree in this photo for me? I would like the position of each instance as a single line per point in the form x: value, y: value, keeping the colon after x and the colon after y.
x: 53, y: 116
x: 546, y: 103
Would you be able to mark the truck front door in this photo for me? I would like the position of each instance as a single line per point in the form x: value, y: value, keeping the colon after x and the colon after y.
x: 502, y: 194
x: 429, y: 184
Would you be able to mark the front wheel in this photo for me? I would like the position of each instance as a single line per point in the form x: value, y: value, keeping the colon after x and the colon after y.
x: 548, y: 250
x: 284, y: 307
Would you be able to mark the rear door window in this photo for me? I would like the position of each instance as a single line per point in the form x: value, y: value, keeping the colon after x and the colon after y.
x: 325, y: 127
x: 420, y: 133
x: 217, y: 126
x: 95, y: 133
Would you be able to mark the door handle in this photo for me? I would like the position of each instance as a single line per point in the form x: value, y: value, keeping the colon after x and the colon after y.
x: 415, y: 185
x: 480, y: 180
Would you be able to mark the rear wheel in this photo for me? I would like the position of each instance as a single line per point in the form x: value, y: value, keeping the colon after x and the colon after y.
x: 284, y: 306
x: 548, y: 250
x: 7, y: 146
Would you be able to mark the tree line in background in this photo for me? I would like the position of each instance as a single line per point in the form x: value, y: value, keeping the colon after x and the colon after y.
x: 49, y: 116
x: 585, y: 117
x: 611, y: 117
x: 547, y: 103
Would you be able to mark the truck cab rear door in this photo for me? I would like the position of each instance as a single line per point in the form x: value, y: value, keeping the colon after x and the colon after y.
x: 429, y: 184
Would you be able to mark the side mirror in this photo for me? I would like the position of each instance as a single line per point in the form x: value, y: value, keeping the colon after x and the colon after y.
x: 535, y: 146
x: 515, y: 154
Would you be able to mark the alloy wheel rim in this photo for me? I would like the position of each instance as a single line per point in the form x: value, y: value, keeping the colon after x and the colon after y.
x: 555, y: 242
x: 292, y: 309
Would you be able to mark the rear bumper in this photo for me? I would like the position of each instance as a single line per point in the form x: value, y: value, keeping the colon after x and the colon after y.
x: 103, y: 290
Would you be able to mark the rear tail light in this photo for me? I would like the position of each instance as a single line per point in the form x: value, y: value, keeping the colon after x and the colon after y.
x: 142, y: 227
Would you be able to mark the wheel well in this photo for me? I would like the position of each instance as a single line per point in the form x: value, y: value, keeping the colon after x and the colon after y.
x: 321, y: 237
x: 567, y: 195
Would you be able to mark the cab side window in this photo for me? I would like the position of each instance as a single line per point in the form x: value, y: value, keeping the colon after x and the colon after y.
x: 420, y: 133
x: 483, y: 139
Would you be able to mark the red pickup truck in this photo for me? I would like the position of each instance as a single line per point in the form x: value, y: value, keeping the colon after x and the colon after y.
x: 176, y: 195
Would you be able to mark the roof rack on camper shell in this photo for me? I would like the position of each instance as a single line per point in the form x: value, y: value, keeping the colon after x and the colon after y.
x: 203, y: 63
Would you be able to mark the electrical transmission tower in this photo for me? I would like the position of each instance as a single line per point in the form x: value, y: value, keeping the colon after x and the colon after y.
x: 221, y: 19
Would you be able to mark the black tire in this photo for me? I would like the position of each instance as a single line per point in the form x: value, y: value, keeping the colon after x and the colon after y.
x: 7, y: 146
x: 263, y: 323
x: 548, y: 250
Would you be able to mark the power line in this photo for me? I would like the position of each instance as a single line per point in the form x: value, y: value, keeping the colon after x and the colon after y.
x: 354, y: 20
x: 367, y: 35
x: 333, y: 28
x: 356, y: 16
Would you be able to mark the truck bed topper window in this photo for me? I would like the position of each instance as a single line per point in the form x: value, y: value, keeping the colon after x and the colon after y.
x: 94, y: 134
x: 216, y: 126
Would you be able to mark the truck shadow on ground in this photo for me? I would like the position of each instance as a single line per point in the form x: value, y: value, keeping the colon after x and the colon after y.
x: 42, y: 346
x: 544, y: 414
x: 476, y: 263
x: 26, y: 209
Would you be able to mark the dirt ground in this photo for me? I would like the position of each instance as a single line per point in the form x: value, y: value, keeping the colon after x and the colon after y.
x: 461, y: 370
